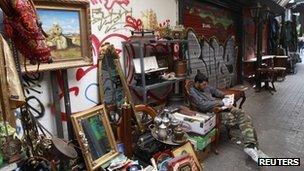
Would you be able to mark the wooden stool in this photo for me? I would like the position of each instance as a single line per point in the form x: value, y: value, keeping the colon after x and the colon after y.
x: 266, y: 75
x: 280, y: 73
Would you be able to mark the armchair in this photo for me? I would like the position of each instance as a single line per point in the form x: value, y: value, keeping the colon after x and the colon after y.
x: 239, y: 93
x: 193, y: 107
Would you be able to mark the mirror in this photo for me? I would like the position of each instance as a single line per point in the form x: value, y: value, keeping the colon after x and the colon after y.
x: 113, y: 87
x: 95, y: 136
x: 111, y: 83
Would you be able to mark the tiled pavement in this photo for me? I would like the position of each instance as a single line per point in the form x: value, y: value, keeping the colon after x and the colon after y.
x: 279, y: 121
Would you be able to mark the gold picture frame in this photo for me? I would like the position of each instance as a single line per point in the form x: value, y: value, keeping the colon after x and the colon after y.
x: 67, y: 24
x: 108, y: 50
x: 187, y: 149
x: 95, y: 138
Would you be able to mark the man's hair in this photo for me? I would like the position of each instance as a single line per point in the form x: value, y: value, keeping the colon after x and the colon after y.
x: 200, y: 77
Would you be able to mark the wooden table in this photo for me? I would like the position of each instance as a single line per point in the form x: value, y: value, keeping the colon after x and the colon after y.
x: 250, y: 65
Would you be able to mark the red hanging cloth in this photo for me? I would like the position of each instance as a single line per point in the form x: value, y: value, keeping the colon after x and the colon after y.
x: 26, y: 32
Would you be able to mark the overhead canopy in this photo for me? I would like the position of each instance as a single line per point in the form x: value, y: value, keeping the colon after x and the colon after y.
x: 298, y: 7
x: 281, y: 2
x: 274, y: 5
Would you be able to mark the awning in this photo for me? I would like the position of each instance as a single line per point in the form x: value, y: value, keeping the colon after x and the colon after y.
x: 281, y: 2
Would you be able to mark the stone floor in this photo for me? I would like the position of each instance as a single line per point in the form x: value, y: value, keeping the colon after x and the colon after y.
x: 279, y: 121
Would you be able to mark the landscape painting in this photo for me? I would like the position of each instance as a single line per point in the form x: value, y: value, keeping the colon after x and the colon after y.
x: 63, y: 30
x: 67, y: 28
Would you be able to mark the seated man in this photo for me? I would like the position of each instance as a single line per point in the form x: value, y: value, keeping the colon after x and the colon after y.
x: 206, y: 98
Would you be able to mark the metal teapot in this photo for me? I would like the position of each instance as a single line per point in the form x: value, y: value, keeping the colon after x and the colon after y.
x: 157, y: 120
x: 174, y: 123
x: 166, y: 121
x: 161, y: 132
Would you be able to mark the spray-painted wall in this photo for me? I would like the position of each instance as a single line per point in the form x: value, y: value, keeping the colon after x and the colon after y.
x: 111, y: 21
x: 215, y: 35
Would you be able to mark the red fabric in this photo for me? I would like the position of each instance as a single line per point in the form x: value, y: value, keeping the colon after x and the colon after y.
x: 24, y: 31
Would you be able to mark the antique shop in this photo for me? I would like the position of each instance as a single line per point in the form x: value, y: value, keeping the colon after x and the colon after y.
x: 151, y: 85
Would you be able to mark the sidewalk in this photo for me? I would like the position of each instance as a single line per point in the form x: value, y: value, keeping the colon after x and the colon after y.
x: 279, y: 121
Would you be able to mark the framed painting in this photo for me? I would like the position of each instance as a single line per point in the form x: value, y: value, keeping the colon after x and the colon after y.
x: 187, y: 149
x: 67, y: 26
x: 95, y: 136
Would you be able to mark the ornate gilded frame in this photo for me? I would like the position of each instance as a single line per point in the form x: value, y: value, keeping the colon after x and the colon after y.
x: 84, y: 145
x: 188, y: 149
x: 82, y: 8
x: 108, y: 49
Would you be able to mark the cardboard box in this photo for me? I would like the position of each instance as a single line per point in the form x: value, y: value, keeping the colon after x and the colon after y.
x: 200, y: 123
x: 200, y: 142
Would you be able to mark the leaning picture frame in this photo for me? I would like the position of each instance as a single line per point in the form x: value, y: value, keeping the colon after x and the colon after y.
x: 187, y: 148
x: 95, y: 136
x: 67, y: 26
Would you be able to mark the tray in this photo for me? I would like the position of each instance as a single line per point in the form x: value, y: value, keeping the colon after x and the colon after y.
x: 169, y: 140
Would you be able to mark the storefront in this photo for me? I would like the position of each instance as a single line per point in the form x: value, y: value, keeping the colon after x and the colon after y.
x: 90, y: 85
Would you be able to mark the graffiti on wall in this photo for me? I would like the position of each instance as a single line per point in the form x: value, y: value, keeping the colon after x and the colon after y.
x: 215, y: 60
x: 209, y: 20
x: 111, y: 21
x: 214, y: 19
x: 213, y: 47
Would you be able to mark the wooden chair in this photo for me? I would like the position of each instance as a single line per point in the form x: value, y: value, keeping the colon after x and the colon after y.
x: 239, y: 93
x: 192, y: 106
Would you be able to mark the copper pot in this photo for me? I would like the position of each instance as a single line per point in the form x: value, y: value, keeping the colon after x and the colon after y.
x: 181, y: 68
x: 178, y: 134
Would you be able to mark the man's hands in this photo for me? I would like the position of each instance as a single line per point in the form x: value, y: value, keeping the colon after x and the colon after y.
x: 228, y: 101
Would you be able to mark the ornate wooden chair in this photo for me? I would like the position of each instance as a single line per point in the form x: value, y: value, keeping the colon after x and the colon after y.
x: 193, y: 107
x: 239, y: 93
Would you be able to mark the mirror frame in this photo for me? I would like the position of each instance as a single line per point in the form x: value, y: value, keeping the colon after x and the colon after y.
x: 76, y: 120
x: 108, y: 49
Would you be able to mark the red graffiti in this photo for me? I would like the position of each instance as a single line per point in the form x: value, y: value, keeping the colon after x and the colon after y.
x: 94, y: 2
x: 110, y: 3
x: 133, y: 23
x: 97, y: 43
x: 62, y: 114
x: 80, y: 73
x: 60, y: 83
x: 128, y: 62
x: 73, y: 89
